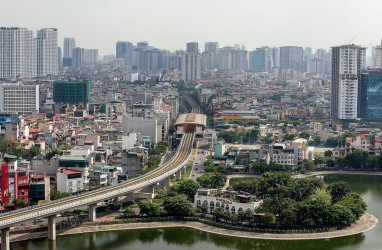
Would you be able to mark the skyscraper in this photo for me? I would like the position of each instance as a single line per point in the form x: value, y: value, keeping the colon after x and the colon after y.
x: 91, y: 56
x: 291, y: 57
x: 190, y: 66
x: 59, y: 57
x: 371, y: 98
x: 233, y: 60
x: 211, y: 55
x: 347, y: 64
x: 78, y: 60
x: 192, y: 47
x: 47, y: 53
x: 258, y: 60
x: 125, y: 50
x: 69, y: 45
x: 17, y: 53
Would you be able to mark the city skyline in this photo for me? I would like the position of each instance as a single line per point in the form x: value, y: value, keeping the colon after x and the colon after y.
x: 315, y: 24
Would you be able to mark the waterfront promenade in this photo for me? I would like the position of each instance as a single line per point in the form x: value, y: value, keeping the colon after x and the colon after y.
x: 365, y: 223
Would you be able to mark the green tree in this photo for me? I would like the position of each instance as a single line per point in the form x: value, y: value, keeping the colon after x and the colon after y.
x: 353, y: 202
x: 357, y: 159
x: 304, y: 135
x: 246, y: 215
x: 128, y: 212
x: 29, y: 154
x: 328, y: 153
x: 316, y: 140
x: 221, y: 214
x: 150, y: 208
x: 338, y: 190
x: 102, y: 108
x: 55, y: 195
x: 52, y: 153
x: 178, y: 206
x: 19, y: 203
x: 10, y: 146
x: 188, y: 188
x: 342, y: 216
x: 211, y: 180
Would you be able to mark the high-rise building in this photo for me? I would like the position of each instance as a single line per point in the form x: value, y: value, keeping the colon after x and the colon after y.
x: 307, y: 53
x: 371, y: 99
x: 210, y: 56
x: 378, y: 57
x: 347, y: 63
x: 19, y: 98
x: 91, y: 56
x: 76, y: 93
x: 233, y: 60
x: 47, y: 54
x: 291, y: 58
x: 78, y: 60
x: 125, y: 50
x: 190, y: 66
x: 259, y: 60
x: 192, y: 47
x: 17, y: 53
x: 69, y: 45
x: 59, y: 57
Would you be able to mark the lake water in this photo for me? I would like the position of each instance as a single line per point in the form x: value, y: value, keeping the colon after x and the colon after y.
x: 369, y: 187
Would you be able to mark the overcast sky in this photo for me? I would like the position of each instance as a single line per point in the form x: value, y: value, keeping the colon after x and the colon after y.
x: 169, y: 24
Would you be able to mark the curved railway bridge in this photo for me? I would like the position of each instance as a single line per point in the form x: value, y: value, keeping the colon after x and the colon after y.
x: 175, y: 166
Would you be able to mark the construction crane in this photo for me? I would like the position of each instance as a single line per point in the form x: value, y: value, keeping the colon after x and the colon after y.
x: 352, y: 39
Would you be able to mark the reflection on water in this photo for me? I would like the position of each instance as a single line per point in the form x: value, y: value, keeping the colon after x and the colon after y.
x: 369, y: 187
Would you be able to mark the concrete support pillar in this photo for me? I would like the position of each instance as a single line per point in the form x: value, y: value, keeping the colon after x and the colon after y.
x: 5, y: 245
x: 52, y: 227
x: 178, y: 175
x: 167, y: 182
x: 152, y: 189
x: 92, y: 212
x: 184, y: 169
x: 115, y: 201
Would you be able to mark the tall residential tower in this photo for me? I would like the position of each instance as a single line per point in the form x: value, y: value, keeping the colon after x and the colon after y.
x: 347, y: 64
x: 17, y: 53
x: 47, y: 52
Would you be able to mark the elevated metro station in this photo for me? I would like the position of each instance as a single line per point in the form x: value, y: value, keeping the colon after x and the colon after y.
x: 198, y: 120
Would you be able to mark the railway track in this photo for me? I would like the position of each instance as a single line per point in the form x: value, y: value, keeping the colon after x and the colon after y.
x: 179, y: 159
x: 194, y: 106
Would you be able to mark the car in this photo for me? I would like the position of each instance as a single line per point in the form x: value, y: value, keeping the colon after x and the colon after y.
x: 193, y: 174
x: 196, y: 168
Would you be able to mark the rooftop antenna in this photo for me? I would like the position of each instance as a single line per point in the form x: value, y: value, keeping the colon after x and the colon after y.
x: 352, y: 39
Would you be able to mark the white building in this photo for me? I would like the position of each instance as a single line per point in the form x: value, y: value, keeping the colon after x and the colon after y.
x: 347, y: 63
x: 378, y: 57
x: 69, y: 180
x: 47, y: 52
x: 148, y: 127
x: 190, y: 66
x: 91, y: 56
x: 17, y: 53
x: 214, y: 198
x: 18, y: 98
x: 78, y: 59
x: 129, y: 140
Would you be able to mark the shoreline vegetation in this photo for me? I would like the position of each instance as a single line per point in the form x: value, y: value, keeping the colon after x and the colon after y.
x: 364, y: 224
x: 276, y: 183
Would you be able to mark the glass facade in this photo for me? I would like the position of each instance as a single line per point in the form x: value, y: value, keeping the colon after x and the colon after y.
x: 371, y: 95
x: 72, y: 92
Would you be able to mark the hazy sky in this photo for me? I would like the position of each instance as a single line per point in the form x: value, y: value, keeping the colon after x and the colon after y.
x: 169, y: 24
